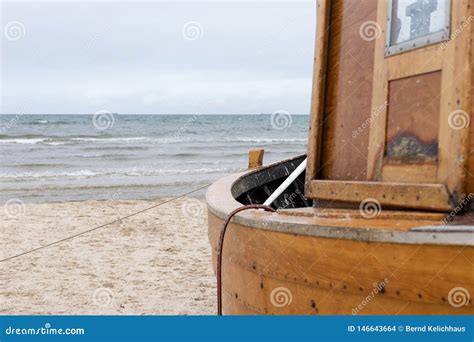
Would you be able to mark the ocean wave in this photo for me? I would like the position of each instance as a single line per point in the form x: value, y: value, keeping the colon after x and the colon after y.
x: 268, y: 140
x: 32, y: 141
x: 50, y: 122
x: 21, y: 141
x: 113, y: 186
x: 80, y: 174
x: 114, y: 148
x: 113, y: 139
x: 57, y: 141
x: 36, y: 165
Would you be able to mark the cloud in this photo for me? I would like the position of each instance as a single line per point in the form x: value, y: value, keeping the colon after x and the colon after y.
x: 128, y: 57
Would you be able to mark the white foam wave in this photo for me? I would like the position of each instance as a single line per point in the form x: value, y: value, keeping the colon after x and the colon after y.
x: 112, y: 139
x: 269, y: 140
x: 64, y: 141
x: 128, y: 172
x: 22, y: 141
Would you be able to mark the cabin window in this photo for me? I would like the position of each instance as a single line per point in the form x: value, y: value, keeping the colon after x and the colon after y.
x: 416, y: 23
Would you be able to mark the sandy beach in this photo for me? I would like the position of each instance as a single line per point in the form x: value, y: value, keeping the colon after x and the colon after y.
x: 155, y: 263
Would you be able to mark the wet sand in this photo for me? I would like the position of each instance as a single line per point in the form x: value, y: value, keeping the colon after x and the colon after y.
x: 155, y: 263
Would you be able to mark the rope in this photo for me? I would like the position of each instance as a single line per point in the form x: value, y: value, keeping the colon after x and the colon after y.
x: 221, y: 246
x: 102, y: 226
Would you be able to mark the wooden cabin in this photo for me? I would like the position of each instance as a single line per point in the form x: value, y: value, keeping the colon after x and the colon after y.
x: 381, y: 221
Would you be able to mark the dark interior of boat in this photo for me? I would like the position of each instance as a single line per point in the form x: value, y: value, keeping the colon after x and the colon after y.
x: 257, y: 186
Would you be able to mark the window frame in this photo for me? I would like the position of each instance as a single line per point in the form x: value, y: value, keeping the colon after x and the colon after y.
x: 420, y: 42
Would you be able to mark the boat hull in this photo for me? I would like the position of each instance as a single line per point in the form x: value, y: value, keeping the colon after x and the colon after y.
x: 272, y: 273
x: 305, y: 262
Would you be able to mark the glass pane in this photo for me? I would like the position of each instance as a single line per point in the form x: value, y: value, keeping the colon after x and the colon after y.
x: 412, y: 19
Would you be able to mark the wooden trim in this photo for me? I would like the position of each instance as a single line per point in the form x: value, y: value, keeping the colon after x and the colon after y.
x: 256, y: 158
x: 455, y: 96
x: 420, y: 196
x: 318, y: 94
x: 410, y: 173
x: 422, y: 61
x: 470, y: 161
x: 379, y: 100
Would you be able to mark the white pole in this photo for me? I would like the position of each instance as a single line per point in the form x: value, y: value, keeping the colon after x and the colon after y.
x: 291, y: 178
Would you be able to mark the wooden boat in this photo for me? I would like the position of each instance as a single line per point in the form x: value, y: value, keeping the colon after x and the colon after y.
x: 380, y: 222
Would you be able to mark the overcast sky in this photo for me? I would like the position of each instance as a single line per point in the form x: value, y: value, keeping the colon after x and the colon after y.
x: 157, y: 57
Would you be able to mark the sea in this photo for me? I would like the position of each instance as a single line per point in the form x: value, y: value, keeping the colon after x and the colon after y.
x: 108, y: 156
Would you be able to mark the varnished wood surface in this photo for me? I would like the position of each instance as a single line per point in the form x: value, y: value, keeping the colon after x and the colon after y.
x: 384, y: 226
x: 336, y: 276
x: 444, y: 74
x: 378, y: 131
x: 389, y: 220
x: 349, y: 87
x: 411, y: 173
x: 470, y: 162
x: 422, y: 196
x: 413, y: 118
x: 455, y: 97
x: 412, y: 129
x: 319, y: 89
x: 256, y: 158
x: 422, y: 61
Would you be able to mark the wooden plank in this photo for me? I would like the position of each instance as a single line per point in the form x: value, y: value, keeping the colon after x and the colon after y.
x: 455, y: 100
x: 349, y: 90
x: 318, y: 92
x: 413, y: 118
x: 422, y: 61
x: 420, y: 196
x: 256, y: 158
x: 470, y: 161
x: 416, y: 173
x: 379, y: 101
